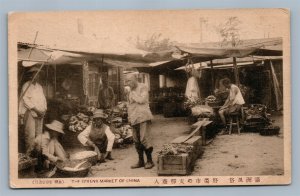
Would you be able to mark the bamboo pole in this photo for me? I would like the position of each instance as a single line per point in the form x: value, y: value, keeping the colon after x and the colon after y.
x: 212, y: 76
x: 236, y: 72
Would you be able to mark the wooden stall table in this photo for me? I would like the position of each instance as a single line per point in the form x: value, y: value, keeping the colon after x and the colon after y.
x: 201, y: 129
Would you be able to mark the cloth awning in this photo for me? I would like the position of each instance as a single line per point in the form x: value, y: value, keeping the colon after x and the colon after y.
x: 212, y: 51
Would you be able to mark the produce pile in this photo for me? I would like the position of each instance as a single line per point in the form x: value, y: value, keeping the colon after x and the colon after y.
x: 118, y: 122
x: 25, y: 161
x: 202, y: 111
x: 255, y: 109
x: 79, y: 122
x: 176, y: 149
x: 23, y: 157
x: 188, y: 103
x: 120, y: 111
x: 211, y: 99
x: 122, y: 134
x: 256, y: 117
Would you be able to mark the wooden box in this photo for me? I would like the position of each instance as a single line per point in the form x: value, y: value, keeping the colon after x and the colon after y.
x: 174, y: 164
x: 181, y: 164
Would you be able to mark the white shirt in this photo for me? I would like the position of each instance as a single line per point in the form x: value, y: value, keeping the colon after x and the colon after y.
x: 236, y: 95
x: 83, y: 137
x: 50, y: 147
x: 34, y: 97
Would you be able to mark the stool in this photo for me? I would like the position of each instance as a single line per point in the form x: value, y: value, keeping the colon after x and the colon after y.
x: 234, y: 120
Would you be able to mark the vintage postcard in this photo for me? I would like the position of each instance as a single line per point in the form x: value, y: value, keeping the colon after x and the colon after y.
x: 149, y: 98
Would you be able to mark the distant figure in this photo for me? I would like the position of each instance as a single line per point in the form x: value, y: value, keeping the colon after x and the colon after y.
x: 32, y: 109
x: 48, y: 145
x: 233, y: 102
x: 106, y: 97
x: 139, y: 116
x: 98, y: 136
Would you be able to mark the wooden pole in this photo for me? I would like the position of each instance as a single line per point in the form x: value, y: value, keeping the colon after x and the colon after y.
x: 55, y: 81
x: 212, y: 76
x: 236, y: 72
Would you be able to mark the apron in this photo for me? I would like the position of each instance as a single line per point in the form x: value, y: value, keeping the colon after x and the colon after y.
x: 99, y: 137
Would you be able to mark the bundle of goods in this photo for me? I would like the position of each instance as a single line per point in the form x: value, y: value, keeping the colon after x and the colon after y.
x: 25, y: 161
x: 176, y: 149
x: 212, y: 101
x: 119, y: 111
x: 256, y: 118
x: 189, y: 103
x: 73, y: 168
x: 79, y: 122
x: 202, y: 111
x: 123, y: 135
x: 89, y: 156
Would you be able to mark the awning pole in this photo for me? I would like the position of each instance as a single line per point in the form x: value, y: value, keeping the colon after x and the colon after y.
x: 212, y: 76
x: 236, y: 72
x: 55, y: 80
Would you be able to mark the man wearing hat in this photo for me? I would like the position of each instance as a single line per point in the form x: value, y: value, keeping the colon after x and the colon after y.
x: 139, y: 116
x: 32, y: 108
x: 98, y: 136
x: 48, y: 145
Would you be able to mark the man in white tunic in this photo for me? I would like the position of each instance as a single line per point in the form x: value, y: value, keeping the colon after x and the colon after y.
x: 32, y: 109
x: 234, y: 101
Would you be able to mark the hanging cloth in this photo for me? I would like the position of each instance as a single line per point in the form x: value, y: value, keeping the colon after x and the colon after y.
x: 192, y: 91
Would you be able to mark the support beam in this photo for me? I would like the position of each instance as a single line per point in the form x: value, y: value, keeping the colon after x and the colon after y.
x: 236, y: 72
x: 212, y: 76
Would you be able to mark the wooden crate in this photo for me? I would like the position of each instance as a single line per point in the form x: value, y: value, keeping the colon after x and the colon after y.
x: 174, y: 164
x: 181, y: 164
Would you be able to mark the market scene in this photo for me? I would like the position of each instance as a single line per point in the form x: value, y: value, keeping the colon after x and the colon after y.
x: 97, y: 107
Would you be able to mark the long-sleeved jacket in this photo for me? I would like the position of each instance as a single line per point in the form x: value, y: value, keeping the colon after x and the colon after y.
x: 84, y: 136
x: 50, y: 147
x: 138, y: 107
x: 34, y: 97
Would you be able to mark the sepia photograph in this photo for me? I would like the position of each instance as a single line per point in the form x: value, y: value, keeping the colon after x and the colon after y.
x: 149, y: 98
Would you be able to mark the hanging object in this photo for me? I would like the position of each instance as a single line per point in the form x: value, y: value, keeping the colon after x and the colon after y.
x: 192, y: 91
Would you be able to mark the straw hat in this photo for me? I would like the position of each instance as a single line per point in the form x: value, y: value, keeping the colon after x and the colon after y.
x: 98, y: 113
x: 56, y: 126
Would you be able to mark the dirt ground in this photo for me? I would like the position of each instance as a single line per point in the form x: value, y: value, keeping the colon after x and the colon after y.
x: 245, y: 154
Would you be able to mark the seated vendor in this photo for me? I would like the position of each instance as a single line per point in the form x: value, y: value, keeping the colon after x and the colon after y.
x: 98, y: 136
x: 233, y: 102
x: 47, y: 145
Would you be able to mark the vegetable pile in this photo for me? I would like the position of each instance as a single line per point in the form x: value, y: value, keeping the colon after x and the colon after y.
x: 79, y: 122
x: 122, y: 133
x: 211, y: 99
x: 23, y: 157
x: 188, y: 104
x: 176, y: 149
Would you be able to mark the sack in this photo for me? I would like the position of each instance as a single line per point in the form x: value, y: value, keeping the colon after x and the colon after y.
x: 202, y: 110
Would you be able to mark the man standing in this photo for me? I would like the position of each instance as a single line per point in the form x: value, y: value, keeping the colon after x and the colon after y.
x: 139, y: 115
x: 106, y: 97
x: 32, y: 109
x: 233, y: 102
